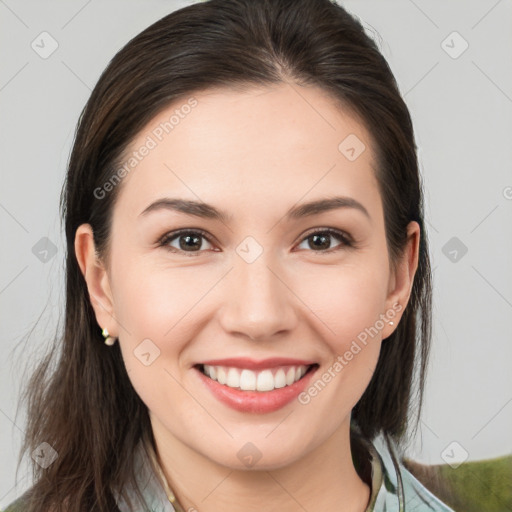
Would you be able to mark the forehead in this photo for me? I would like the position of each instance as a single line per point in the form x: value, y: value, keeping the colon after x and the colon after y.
x: 263, y: 144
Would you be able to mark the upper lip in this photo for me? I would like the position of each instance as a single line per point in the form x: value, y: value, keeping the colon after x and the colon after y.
x: 251, y: 364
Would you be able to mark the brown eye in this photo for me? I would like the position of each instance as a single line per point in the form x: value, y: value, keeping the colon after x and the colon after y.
x: 187, y: 241
x: 320, y: 240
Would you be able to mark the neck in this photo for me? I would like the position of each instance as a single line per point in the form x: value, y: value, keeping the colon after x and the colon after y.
x: 324, y: 479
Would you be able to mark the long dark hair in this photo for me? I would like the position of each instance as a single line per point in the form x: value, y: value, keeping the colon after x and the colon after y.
x: 80, y: 399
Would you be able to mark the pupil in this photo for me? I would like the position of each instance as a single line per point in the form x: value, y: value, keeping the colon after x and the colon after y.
x: 324, y: 241
x: 196, y: 244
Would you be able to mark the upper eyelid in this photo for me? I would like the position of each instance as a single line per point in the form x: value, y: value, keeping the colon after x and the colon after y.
x: 172, y: 235
x: 332, y: 231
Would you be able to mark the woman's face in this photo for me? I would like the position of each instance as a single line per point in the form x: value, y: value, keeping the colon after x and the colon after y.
x: 256, y: 283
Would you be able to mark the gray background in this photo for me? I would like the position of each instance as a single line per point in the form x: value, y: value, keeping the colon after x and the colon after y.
x: 461, y: 105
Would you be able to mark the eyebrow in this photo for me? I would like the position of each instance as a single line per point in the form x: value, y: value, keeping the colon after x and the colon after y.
x: 207, y: 211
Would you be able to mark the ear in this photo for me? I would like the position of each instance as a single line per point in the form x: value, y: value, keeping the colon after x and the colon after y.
x: 96, y: 278
x: 402, y: 278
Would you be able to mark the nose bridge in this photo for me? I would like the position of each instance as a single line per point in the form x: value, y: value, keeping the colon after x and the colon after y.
x: 258, y: 304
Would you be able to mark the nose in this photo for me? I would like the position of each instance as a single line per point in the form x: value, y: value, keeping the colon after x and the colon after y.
x: 259, y: 303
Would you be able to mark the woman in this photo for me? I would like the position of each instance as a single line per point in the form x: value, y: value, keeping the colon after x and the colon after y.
x: 244, y: 226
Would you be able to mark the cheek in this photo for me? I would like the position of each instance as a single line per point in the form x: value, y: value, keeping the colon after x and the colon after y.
x: 150, y: 312
x: 348, y: 306
x: 348, y: 300
x: 149, y: 301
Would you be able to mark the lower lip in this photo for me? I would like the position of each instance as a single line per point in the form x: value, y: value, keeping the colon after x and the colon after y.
x: 259, y: 402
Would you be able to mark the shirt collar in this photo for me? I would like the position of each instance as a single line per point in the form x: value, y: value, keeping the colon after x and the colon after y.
x: 387, y: 490
x: 149, y: 482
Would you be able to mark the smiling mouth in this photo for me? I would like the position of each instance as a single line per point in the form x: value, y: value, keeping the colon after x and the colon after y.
x: 264, y: 380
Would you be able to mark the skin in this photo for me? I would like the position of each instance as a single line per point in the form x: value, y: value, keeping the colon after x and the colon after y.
x: 235, y: 152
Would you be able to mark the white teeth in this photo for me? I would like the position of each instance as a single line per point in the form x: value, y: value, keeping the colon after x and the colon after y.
x: 221, y: 375
x: 265, y: 381
x: 290, y: 376
x: 248, y: 380
x: 233, y: 380
x: 280, y: 379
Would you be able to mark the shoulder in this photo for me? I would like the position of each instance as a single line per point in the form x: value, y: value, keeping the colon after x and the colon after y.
x: 400, y: 483
x: 19, y: 505
x: 418, y: 496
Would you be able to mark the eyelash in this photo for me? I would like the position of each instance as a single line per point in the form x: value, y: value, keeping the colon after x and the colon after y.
x: 346, y: 240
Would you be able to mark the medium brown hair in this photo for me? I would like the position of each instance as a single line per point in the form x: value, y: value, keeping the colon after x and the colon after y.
x: 80, y: 399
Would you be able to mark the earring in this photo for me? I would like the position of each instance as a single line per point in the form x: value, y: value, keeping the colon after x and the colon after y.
x: 391, y: 323
x: 109, y: 340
